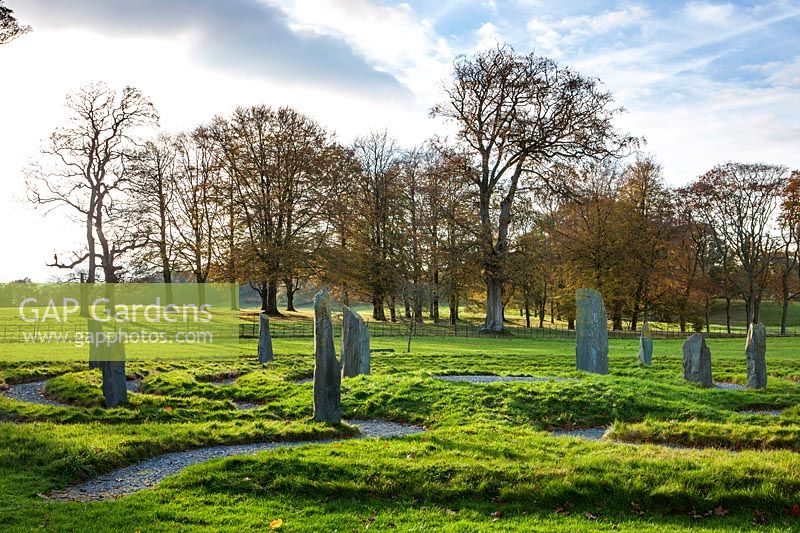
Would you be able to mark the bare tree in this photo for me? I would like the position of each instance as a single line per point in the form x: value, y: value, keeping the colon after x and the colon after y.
x: 10, y: 28
x: 277, y: 162
x: 518, y: 114
x: 85, y: 172
x: 741, y: 203
x: 788, y: 259
x: 154, y: 189
x: 379, y: 189
x: 197, y: 210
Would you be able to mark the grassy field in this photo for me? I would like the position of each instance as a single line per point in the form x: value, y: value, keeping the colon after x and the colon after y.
x: 486, y: 463
x: 474, y: 316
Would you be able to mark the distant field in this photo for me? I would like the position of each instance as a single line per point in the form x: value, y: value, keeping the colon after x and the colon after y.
x: 770, y: 316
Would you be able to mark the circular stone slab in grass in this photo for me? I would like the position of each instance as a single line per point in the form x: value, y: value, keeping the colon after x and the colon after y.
x: 221, y: 382
x: 586, y: 433
x: 246, y: 406
x: 146, y: 474
x: 496, y: 379
x: 764, y: 412
x: 730, y: 386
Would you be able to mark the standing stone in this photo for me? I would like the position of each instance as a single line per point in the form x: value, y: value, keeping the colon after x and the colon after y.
x: 109, y: 357
x: 756, y: 351
x: 355, y: 344
x: 591, y: 332
x: 264, y: 340
x: 327, y: 373
x: 645, y: 346
x: 697, y: 360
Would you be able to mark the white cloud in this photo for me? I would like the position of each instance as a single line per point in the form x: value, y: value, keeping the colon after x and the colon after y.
x: 391, y: 37
x: 489, y: 36
x: 714, y: 14
x: 553, y: 35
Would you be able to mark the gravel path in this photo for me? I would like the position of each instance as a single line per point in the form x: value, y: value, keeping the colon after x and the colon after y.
x: 246, y: 406
x: 495, y: 379
x: 148, y: 473
x: 32, y: 392
x: 586, y: 433
x: 765, y: 412
x: 730, y: 386
x: 221, y: 382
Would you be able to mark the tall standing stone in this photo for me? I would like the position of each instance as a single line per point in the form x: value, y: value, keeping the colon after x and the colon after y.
x: 645, y: 346
x: 756, y: 352
x: 107, y: 352
x: 327, y: 372
x: 697, y: 360
x: 355, y: 344
x: 264, y: 340
x: 591, y: 332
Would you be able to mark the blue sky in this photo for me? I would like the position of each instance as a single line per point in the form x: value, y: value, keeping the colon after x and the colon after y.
x: 702, y: 82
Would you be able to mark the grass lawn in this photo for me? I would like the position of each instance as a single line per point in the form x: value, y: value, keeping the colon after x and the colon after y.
x: 474, y: 315
x: 486, y: 463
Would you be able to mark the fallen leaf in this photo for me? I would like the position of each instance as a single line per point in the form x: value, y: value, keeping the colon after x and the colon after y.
x: 636, y: 509
x: 590, y: 516
x: 720, y: 511
x: 497, y: 514
x: 275, y: 524
x: 796, y: 509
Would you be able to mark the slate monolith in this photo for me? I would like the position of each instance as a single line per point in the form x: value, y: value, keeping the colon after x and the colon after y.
x: 645, y: 346
x: 107, y: 352
x: 264, y: 340
x: 756, y: 352
x: 697, y: 360
x: 591, y: 332
x: 355, y: 344
x: 327, y: 372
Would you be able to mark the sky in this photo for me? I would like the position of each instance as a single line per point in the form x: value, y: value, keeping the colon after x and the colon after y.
x: 702, y: 82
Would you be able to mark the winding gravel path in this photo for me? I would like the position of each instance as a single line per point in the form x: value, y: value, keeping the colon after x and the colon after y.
x: 496, y: 379
x: 140, y: 476
x: 32, y: 392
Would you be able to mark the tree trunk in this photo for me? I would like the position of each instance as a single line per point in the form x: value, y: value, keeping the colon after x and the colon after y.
x: 377, y: 308
x: 290, y: 290
x: 756, y: 309
x: 637, y: 299
x: 785, y: 304
x: 616, y: 317
x: 728, y: 314
x: 527, y: 311
x: 707, y: 313
x: 453, y: 305
x: 406, y: 305
x: 270, y: 304
x: 541, y: 313
x: 392, y: 309
x: 435, y: 297
x: 417, y: 305
x: 494, y: 306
